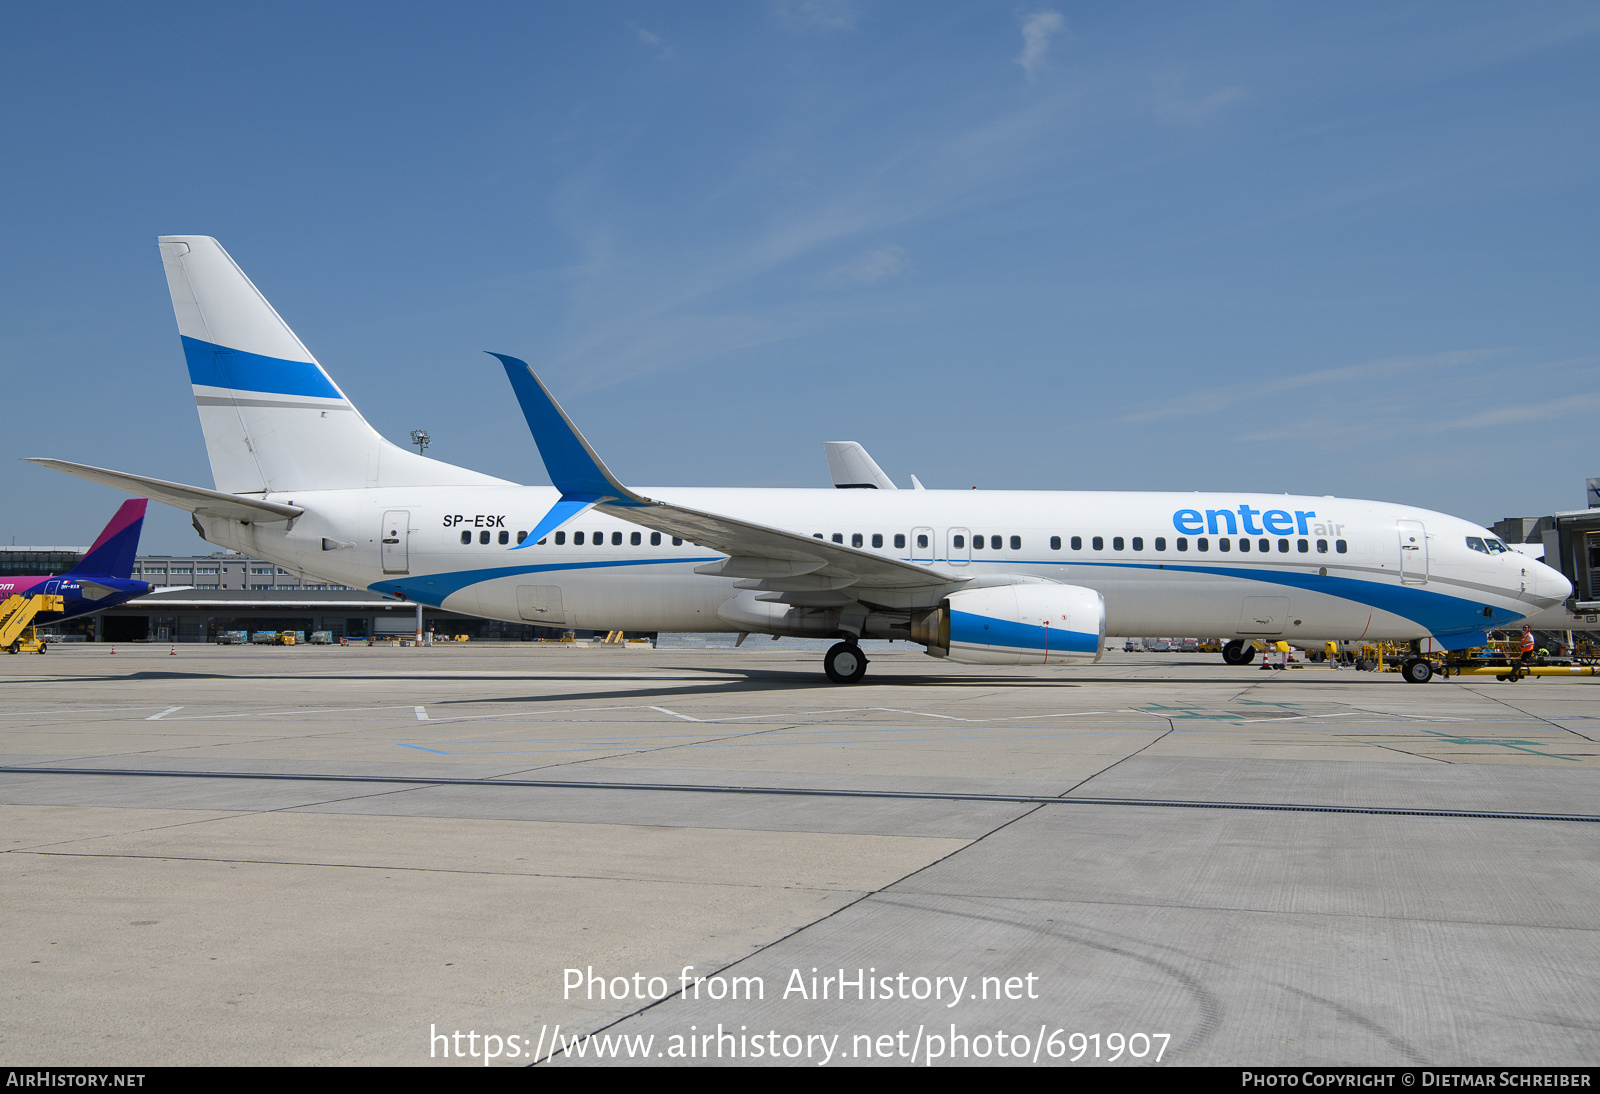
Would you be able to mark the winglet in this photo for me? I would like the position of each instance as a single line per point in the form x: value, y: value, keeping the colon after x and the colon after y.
x: 575, y: 469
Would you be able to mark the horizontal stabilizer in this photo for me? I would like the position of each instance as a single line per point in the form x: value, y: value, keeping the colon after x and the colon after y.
x: 193, y: 499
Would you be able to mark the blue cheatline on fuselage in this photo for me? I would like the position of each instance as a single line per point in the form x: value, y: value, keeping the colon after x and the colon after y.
x: 982, y: 630
x: 432, y: 589
x: 1438, y: 613
x: 212, y: 365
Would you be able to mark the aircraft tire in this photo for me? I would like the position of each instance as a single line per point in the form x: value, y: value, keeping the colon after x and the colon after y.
x: 1238, y: 652
x: 845, y: 663
x: 1417, y: 671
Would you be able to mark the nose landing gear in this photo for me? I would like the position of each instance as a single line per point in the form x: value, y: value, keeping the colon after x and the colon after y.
x: 845, y: 663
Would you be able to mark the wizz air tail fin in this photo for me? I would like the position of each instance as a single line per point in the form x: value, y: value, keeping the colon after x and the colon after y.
x: 273, y: 419
x: 113, y: 552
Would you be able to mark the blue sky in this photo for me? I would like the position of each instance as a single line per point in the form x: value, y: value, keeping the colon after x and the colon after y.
x: 1347, y: 249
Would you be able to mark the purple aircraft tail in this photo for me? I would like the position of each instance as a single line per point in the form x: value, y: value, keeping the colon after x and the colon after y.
x: 112, y: 554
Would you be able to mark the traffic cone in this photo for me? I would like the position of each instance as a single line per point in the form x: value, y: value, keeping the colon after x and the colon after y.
x: 174, y: 651
x: 1266, y: 663
x: 113, y: 651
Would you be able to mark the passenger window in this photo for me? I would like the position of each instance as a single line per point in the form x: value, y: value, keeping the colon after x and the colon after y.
x: 483, y: 537
x: 1183, y: 544
x: 577, y: 539
x: 505, y: 537
x: 616, y: 539
x: 994, y: 542
x: 1322, y: 546
x: 1283, y: 546
x: 676, y: 542
x: 816, y: 535
x: 521, y: 536
x: 1138, y: 543
x: 1244, y: 545
x: 1055, y: 543
x: 1116, y: 543
x: 1203, y: 544
x: 1264, y: 545
x: 959, y: 542
x: 635, y: 539
x: 544, y: 541
x: 922, y: 541
x: 1077, y: 543
x: 1098, y: 543
x: 655, y: 539
x: 1161, y: 543
x: 838, y: 537
x: 1224, y: 544
x: 466, y: 537
x: 599, y: 539
x: 1302, y: 546
x: 855, y: 539
x: 1339, y: 545
x: 977, y: 543
x: 900, y: 541
x: 877, y: 539
x: 1016, y: 543
x: 561, y: 538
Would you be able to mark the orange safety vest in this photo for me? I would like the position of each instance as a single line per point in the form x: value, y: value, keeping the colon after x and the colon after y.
x: 1527, y: 641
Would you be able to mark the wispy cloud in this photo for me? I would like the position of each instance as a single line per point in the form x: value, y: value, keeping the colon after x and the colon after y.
x: 878, y: 265
x: 1191, y: 109
x: 652, y: 39
x: 630, y: 317
x: 1037, y: 30
x: 1395, y: 400
x: 1263, y: 385
x: 817, y: 14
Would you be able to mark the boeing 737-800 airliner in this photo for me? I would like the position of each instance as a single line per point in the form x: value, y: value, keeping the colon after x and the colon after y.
x: 980, y: 577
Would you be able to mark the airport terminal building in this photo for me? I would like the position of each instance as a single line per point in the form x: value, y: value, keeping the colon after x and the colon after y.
x: 197, y: 598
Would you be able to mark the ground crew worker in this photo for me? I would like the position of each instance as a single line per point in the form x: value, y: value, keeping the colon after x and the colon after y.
x: 1527, y: 643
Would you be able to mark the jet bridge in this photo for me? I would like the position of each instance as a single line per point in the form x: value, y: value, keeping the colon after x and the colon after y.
x: 1572, y: 546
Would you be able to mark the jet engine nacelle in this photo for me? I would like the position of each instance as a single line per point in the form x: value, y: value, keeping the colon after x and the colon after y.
x: 1016, y: 625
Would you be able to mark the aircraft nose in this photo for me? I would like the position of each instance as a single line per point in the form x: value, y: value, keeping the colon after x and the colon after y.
x: 1548, y: 583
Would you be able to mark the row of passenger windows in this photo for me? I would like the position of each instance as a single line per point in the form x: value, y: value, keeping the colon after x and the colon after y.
x: 1098, y: 543
x: 959, y: 542
x: 636, y: 539
x: 1263, y: 546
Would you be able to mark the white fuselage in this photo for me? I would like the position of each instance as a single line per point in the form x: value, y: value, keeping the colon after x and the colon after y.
x: 1316, y: 568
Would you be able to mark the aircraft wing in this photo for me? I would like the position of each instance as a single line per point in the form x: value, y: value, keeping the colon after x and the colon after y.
x: 195, y: 499
x: 756, y: 550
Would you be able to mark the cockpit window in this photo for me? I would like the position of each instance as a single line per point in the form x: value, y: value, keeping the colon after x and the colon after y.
x: 1477, y: 544
x: 1496, y: 547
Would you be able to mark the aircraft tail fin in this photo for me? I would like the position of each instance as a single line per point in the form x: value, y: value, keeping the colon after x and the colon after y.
x: 853, y: 469
x: 273, y: 419
x: 113, y: 552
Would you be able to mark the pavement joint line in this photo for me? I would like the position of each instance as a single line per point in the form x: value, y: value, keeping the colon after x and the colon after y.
x: 630, y: 878
x: 819, y: 792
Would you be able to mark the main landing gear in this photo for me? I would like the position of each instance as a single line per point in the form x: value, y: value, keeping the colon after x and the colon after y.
x: 1239, y: 652
x: 845, y: 663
